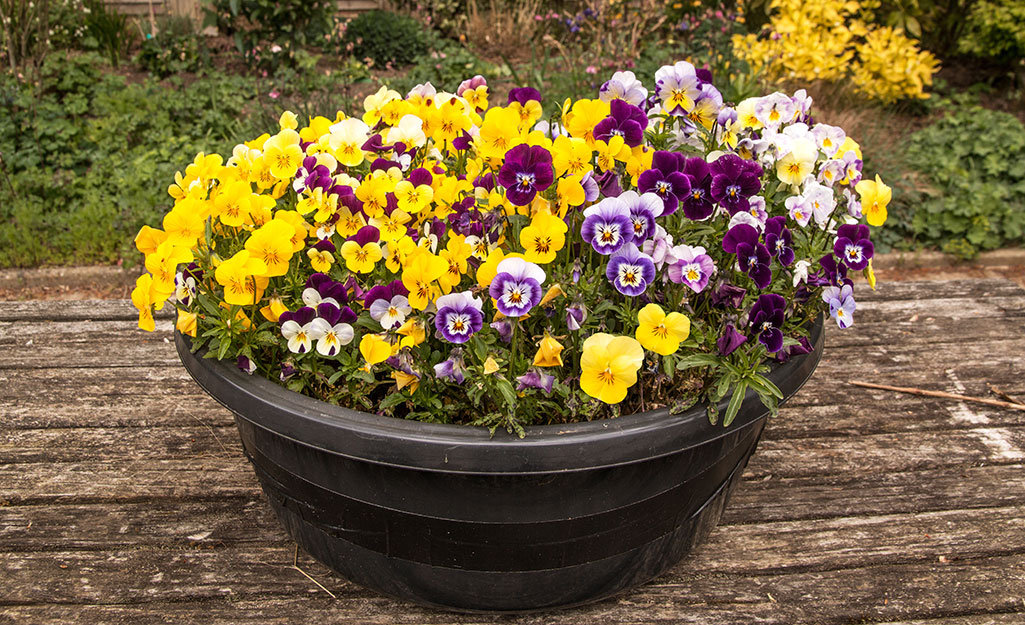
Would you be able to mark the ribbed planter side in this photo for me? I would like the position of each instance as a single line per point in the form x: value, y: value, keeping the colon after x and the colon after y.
x: 449, y: 516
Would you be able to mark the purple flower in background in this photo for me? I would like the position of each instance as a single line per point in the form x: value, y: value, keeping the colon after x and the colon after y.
x: 694, y: 267
x: 504, y: 329
x: 459, y: 316
x: 766, y: 319
x: 453, y: 368
x: 527, y: 169
x: 752, y: 256
x: 245, y: 365
x: 666, y: 180
x: 534, y: 378
x: 575, y: 315
x: 730, y: 340
x: 779, y: 240
x: 311, y: 175
x: 803, y: 346
x: 853, y: 246
x: 608, y: 183
x: 698, y: 204
x: 320, y: 289
x: 607, y: 225
x: 630, y: 270
x: 659, y: 247
x: 590, y: 186
x: 624, y: 120
x: 643, y: 211
x: 384, y: 292
x: 728, y: 296
x: 734, y: 180
x: 833, y: 273
x: 517, y: 286
x: 841, y: 304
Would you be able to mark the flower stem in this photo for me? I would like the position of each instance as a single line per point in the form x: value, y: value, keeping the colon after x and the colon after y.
x: 514, y: 341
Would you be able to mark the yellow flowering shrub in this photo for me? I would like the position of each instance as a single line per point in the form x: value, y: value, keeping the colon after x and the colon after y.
x: 811, y: 40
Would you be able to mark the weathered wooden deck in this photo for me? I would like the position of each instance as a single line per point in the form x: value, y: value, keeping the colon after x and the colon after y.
x: 125, y: 497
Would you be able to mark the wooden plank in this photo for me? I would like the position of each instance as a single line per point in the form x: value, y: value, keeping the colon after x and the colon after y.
x: 193, y: 442
x: 258, y: 585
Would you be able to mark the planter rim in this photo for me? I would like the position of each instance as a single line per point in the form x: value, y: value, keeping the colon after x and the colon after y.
x: 466, y: 449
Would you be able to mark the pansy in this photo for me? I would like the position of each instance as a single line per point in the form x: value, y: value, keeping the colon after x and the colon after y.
x: 607, y: 225
x: 853, y: 246
x: 775, y: 109
x: 779, y: 240
x: 734, y: 180
x: 526, y: 101
x: 390, y: 313
x: 677, y: 86
x: 630, y: 270
x: 706, y: 106
x: 730, y: 340
x: 841, y: 304
x: 766, y: 320
x: 459, y: 316
x: 420, y: 276
x: 516, y: 287
x: 875, y: 196
x: 576, y: 314
x: 242, y: 279
x: 452, y: 368
x: 829, y: 138
x: 543, y: 238
x: 362, y: 251
x: 624, y: 120
x: 331, y: 332
x: 375, y: 349
x: 643, y: 211
x: 693, y: 267
x: 526, y: 171
x: 535, y: 378
x: 666, y: 179
x: 660, y: 247
x: 320, y: 288
x: 623, y: 86
x: 660, y: 332
x: 608, y: 366
x: 798, y: 163
x: 752, y: 256
x: 298, y: 329
x: 698, y: 205
x: 549, y: 352
x: 821, y: 200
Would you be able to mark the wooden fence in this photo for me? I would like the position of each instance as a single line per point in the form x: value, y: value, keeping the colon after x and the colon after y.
x: 193, y: 8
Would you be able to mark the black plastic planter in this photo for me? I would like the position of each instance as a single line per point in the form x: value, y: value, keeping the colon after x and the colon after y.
x: 448, y: 516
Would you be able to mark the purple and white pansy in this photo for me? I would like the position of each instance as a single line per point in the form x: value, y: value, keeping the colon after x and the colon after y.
x: 666, y: 179
x: 853, y: 246
x: 630, y: 270
x: 694, y: 267
x: 841, y: 304
x: 459, y: 316
x: 752, y: 256
x: 517, y: 286
x: 643, y: 211
x: 607, y: 225
x: 766, y: 319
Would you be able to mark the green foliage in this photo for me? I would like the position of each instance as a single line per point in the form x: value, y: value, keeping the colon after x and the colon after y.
x: 938, y: 24
x: 386, y: 38
x: 172, y: 48
x: 269, y: 33
x: 29, y: 30
x: 110, y: 29
x: 975, y: 197
x: 445, y: 67
x: 446, y: 16
x: 995, y: 29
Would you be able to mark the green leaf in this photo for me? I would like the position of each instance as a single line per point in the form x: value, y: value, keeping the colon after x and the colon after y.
x: 697, y: 360
x: 735, y: 402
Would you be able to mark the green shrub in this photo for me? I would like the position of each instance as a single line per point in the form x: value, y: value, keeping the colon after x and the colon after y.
x: 269, y: 33
x: 110, y: 30
x: 996, y: 30
x: 386, y: 37
x: 172, y: 48
x: 974, y: 198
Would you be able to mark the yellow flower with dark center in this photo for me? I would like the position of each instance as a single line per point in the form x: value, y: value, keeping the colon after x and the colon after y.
x: 361, y: 258
x: 241, y: 278
x: 875, y: 197
x: 272, y: 243
x: 419, y: 276
x: 608, y: 366
x: 659, y: 332
x: 283, y: 154
x: 543, y: 238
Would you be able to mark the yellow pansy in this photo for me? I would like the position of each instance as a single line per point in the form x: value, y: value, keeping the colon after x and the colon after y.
x: 571, y: 155
x: 320, y: 260
x: 143, y: 301
x: 549, y: 352
x: 241, y: 277
x: 272, y: 311
x: 419, y: 276
x: 875, y: 197
x: 659, y: 332
x: 374, y: 349
x: 186, y: 323
x: 361, y: 258
x: 543, y: 238
x: 608, y: 153
x: 283, y: 154
x: 148, y: 239
x: 413, y: 333
x: 272, y: 243
x: 608, y: 366
x: 585, y: 116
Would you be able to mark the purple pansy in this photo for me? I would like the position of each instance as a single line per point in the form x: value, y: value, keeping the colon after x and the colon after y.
x: 841, y: 304
x: 504, y: 327
x: 297, y: 329
x: 517, y: 286
x: 779, y: 240
x: 311, y: 175
x: 752, y: 256
x: 766, y: 319
x: 728, y: 296
x: 677, y: 86
x: 730, y: 340
x: 320, y: 289
x: 643, y: 211
x: 853, y: 246
x: 534, y: 378
x: 576, y: 313
x: 833, y: 273
x: 693, y: 267
x: 630, y: 270
x: 524, y: 95
x: 459, y: 316
x: 666, y: 180
x: 624, y: 120
x: 384, y: 292
x: 607, y: 225
x: 698, y: 204
x: 246, y: 365
x: 453, y: 368
x: 734, y: 180
x: 526, y: 171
